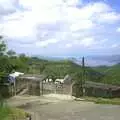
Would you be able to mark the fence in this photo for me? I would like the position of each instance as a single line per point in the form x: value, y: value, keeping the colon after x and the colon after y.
x: 56, y: 88
x: 39, y: 88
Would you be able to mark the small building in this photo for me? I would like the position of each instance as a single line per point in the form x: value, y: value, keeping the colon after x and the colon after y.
x: 13, y: 76
x: 34, y: 84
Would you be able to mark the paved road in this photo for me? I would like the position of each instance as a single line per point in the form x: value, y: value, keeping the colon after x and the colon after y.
x: 75, y: 111
x: 71, y: 110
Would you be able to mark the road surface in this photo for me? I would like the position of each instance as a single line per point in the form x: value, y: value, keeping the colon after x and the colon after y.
x: 48, y: 108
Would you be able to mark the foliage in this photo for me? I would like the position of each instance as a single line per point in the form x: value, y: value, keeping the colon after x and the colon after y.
x: 113, y: 101
x: 5, y: 65
x: 11, y: 53
x: 58, y: 69
x: 4, y: 112
x: 10, y: 62
x: 8, y: 113
x: 19, y: 63
x: 2, y: 46
x: 111, y: 74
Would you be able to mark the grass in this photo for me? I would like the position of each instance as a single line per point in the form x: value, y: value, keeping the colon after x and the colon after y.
x: 112, y: 101
x: 8, y: 113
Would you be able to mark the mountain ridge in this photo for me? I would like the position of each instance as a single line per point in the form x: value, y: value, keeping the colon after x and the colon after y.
x: 107, y: 60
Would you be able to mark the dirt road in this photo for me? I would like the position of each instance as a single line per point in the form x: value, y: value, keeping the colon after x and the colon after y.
x: 51, y: 108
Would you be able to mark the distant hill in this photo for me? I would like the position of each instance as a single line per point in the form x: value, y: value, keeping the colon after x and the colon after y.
x: 63, y: 67
x: 53, y: 58
x: 60, y: 68
x: 108, y: 60
x: 98, y: 60
x: 112, y: 73
x: 101, y: 68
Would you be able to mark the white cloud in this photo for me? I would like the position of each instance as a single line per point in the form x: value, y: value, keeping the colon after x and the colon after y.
x: 109, y: 17
x: 68, y: 45
x: 88, y: 11
x: 44, y: 23
x: 82, y: 25
x: 118, y: 29
x: 87, y: 42
x: 45, y: 43
x: 115, y: 46
x: 7, y: 6
x: 18, y: 29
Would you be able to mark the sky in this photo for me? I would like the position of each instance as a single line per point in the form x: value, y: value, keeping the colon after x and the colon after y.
x: 61, y: 27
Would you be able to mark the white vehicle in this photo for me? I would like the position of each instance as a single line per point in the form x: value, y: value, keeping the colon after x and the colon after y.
x: 59, y: 81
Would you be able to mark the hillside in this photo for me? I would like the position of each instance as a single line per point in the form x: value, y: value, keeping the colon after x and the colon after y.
x: 101, y: 68
x: 58, y: 69
x: 112, y: 73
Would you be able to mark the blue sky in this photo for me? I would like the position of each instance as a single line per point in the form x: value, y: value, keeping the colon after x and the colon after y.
x: 61, y: 27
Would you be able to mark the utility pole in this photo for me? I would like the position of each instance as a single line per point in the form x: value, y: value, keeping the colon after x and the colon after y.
x: 83, y: 76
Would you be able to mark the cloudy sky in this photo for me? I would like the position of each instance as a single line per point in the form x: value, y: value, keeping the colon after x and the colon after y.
x: 61, y: 27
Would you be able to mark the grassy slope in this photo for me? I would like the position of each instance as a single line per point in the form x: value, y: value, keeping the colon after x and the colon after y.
x: 112, y: 74
x: 114, y: 101
x: 61, y: 68
x: 7, y: 113
x: 101, y: 69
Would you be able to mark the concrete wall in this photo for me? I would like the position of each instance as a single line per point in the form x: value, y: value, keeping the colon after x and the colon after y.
x: 37, y: 87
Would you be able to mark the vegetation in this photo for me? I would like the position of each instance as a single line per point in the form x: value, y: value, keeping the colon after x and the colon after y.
x: 8, y: 113
x: 111, y: 74
x: 9, y: 62
x: 58, y: 69
x: 114, y: 101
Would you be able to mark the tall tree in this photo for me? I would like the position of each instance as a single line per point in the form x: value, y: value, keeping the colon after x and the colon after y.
x: 11, y: 53
x: 2, y: 46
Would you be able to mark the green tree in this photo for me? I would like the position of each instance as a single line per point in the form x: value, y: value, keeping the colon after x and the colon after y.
x: 22, y: 55
x: 4, y: 62
x: 11, y: 53
x: 2, y: 46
